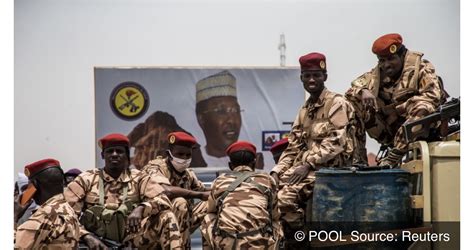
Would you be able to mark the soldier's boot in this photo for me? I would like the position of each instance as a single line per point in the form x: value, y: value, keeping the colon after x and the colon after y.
x: 392, y: 160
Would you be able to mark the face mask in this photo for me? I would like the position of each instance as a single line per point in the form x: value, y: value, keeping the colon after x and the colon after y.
x: 179, y: 164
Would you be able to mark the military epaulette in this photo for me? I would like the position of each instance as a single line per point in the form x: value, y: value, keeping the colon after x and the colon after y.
x: 336, y: 105
x: 417, y: 53
x: 361, y: 81
x: 157, y: 161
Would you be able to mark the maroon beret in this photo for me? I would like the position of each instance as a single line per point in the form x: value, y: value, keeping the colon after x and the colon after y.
x: 181, y: 138
x: 313, y: 61
x: 279, y: 146
x: 36, y: 167
x: 387, y: 44
x: 241, y: 146
x: 111, y: 140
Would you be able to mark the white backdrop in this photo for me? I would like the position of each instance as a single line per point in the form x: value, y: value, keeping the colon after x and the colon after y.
x: 57, y: 44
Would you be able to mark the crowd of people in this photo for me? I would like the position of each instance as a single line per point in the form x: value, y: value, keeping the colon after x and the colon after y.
x: 162, y: 204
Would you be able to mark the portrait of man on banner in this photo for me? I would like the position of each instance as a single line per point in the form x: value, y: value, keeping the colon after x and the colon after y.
x: 217, y: 106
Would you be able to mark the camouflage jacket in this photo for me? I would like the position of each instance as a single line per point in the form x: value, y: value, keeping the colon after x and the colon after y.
x: 164, y: 174
x: 246, y: 208
x: 322, y: 134
x: 418, y: 79
x: 83, y: 192
x: 54, y: 225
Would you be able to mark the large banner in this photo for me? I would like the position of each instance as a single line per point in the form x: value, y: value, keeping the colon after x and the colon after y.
x: 216, y: 105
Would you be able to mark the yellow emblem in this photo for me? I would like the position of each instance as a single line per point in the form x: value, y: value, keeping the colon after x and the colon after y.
x: 172, y: 139
x: 393, y: 48
x: 322, y: 64
x: 129, y: 101
x: 27, y: 172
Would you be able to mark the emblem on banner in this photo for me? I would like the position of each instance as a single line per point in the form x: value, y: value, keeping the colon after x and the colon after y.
x: 129, y: 100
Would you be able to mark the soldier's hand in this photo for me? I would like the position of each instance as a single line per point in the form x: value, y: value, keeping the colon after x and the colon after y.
x: 205, y: 195
x: 94, y: 243
x: 299, y: 174
x: 134, y: 219
x: 369, y: 100
x: 20, y: 210
x: 276, y: 178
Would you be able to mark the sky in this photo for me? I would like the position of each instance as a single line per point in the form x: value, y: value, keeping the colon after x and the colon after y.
x: 58, y: 43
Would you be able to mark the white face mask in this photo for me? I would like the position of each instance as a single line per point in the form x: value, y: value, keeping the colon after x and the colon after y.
x: 179, y: 164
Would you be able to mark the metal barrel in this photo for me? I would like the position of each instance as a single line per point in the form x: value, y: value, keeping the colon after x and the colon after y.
x: 361, y: 200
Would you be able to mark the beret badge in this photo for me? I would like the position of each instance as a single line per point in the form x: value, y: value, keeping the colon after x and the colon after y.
x: 393, y: 48
x: 322, y: 64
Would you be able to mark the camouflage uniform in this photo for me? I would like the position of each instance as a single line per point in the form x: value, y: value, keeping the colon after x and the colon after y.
x: 398, y: 101
x: 53, y: 225
x: 158, y: 226
x: 322, y: 136
x: 189, y: 215
x: 243, y: 210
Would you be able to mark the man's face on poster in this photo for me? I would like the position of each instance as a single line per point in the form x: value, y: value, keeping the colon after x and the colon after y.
x: 220, y: 120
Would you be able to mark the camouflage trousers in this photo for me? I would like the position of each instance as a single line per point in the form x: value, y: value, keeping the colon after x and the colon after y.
x: 157, y: 230
x: 256, y: 241
x: 385, y: 129
x: 189, y: 217
x: 291, y: 198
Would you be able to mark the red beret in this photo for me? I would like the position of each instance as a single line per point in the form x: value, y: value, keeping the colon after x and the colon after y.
x: 313, y: 61
x: 181, y: 138
x: 241, y: 145
x: 279, y: 146
x: 387, y: 44
x: 36, y: 167
x: 113, y: 140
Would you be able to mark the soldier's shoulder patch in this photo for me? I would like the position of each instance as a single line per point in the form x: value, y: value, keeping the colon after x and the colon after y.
x: 361, y: 81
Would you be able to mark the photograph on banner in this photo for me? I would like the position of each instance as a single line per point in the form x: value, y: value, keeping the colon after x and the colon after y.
x: 270, y: 137
x: 218, y: 106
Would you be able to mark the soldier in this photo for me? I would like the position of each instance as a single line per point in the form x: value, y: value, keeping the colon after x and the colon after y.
x: 402, y: 87
x: 278, y: 148
x: 242, y: 207
x: 321, y: 136
x: 54, y: 224
x: 180, y: 183
x: 121, y: 205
